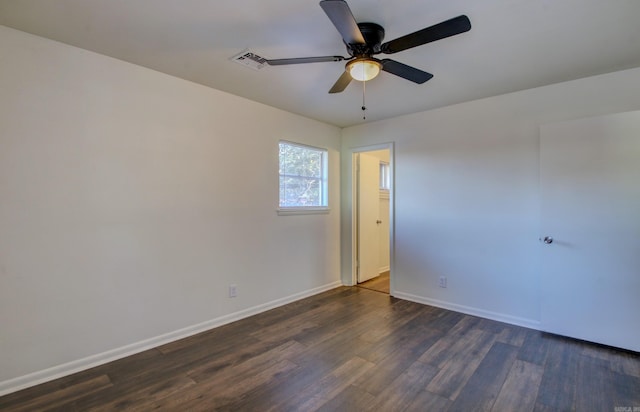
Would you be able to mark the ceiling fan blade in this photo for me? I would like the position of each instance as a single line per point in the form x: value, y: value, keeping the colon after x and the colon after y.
x: 404, y: 71
x: 342, y: 83
x: 340, y: 15
x: 439, y: 31
x: 300, y: 60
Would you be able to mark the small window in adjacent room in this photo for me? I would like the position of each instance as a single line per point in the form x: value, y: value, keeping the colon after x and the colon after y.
x: 384, y: 176
x: 303, y: 179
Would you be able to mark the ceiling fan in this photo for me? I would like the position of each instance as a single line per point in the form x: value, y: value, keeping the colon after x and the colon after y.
x: 364, y: 40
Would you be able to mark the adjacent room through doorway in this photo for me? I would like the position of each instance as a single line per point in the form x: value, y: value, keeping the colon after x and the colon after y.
x: 372, y: 207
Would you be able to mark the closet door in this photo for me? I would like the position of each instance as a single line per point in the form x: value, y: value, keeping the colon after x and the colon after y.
x: 590, y: 229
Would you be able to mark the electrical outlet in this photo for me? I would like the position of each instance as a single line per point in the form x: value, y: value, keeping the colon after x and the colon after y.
x: 233, y: 291
x: 443, y: 281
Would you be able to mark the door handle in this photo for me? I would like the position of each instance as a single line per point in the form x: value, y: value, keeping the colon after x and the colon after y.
x: 548, y: 240
x: 378, y: 221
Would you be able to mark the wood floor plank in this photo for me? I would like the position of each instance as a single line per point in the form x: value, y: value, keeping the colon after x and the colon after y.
x: 280, y: 332
x: 350, y: 399
x: 231, y: 369
x: 51, y: 387
x: 626, y: 390
x: 492, y: 326
x: 288, y: 384
x: 457, y: 370
x: 540, y: 407
x: 225, y: 393
x: 621, y: 361
x: 324, y: 305
x: 401, y: 393
x: 315, y: 362
x: 534, y: 348
x: 482, y: 389
x: 248, y: 367
x: 402, y: 336
x: 402, y: 355
x: 427, y: 401
x: 137, y: 368
x: 520, y: 388
x: 138, y: 377
x: 353, y: 349
x: 344, y: 332
x: 222, y: 336
x: 445, y: 320
x: 62, y: 396
x: 323, y: 353
x: 281, y: 389
x: 224, y: 360
x: 379, y: 283
x: 276, y: 390
x: 626, y: 364
x: 400, y: 314
x: 323, y: 300
x: 558, y: 385
x: 513, y: 335
x: 593, y: 385
x: 142, y: 399
x: 329, y: 386
x: 345, y: 323
x: 317, y: 324
x: 454, y: 341
x: 209, y: 396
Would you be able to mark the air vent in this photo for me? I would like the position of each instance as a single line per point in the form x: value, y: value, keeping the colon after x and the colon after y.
x: 248, y: 59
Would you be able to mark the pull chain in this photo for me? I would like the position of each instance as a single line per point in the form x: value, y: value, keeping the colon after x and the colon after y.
x: 364, y: 107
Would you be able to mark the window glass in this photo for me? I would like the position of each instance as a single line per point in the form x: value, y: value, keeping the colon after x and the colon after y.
x: 384, y: 176
x: 303, y: 176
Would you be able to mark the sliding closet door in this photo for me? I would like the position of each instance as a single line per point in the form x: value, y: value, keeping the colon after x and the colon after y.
x: 590, y: 229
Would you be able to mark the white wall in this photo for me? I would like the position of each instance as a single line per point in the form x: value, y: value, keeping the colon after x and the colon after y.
x: 130, y: 200
x: 466, y: 193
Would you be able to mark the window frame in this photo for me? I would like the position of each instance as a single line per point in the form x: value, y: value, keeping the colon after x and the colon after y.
x: 324, y: 183
x: 384, y: 176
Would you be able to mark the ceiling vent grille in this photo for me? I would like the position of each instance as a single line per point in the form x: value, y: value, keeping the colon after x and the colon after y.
x: 249, y: 59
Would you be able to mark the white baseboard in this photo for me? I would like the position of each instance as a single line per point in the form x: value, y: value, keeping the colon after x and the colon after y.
x: 35, y: 378
x: 500, y: 317
x: 384, y: 269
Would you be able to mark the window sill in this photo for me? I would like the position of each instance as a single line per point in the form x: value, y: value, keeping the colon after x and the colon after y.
x: 303, y: 211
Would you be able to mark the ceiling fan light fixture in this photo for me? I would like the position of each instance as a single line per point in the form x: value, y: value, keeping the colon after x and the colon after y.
x: 364, y: 69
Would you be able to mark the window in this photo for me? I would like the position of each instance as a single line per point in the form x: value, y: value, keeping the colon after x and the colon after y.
x: 384, y: 176
x: 303, y: 178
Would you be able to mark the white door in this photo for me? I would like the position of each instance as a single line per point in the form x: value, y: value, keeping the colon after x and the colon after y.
x: 590, y: 214
x: 368, y: 217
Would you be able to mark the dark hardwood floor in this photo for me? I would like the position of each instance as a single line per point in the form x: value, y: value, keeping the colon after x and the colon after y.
x: 352, y: 349
x: 379, y: 283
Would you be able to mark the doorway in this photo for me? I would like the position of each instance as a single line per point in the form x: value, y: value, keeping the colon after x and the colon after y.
x: 372, y: 219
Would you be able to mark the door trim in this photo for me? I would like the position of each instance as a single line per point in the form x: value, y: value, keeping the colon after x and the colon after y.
x: 351, y: 190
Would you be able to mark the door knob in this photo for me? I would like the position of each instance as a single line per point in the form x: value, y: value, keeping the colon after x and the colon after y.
x: 378, y: 221
x: 547, y: 240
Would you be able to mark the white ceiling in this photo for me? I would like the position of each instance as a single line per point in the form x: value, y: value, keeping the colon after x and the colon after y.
x: 513, y: 45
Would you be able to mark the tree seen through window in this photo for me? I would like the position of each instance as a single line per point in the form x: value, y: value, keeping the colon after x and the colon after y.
x: 303, y: 176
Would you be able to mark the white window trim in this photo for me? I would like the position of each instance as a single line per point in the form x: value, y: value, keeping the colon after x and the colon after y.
x: 289, y: 211
x: 309, y: 210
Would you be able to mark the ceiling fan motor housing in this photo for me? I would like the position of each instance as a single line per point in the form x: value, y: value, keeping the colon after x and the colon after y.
x: 373, y: 35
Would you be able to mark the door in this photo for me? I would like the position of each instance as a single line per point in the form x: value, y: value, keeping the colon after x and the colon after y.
x: 590, y: 221
x: 368, y: 216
